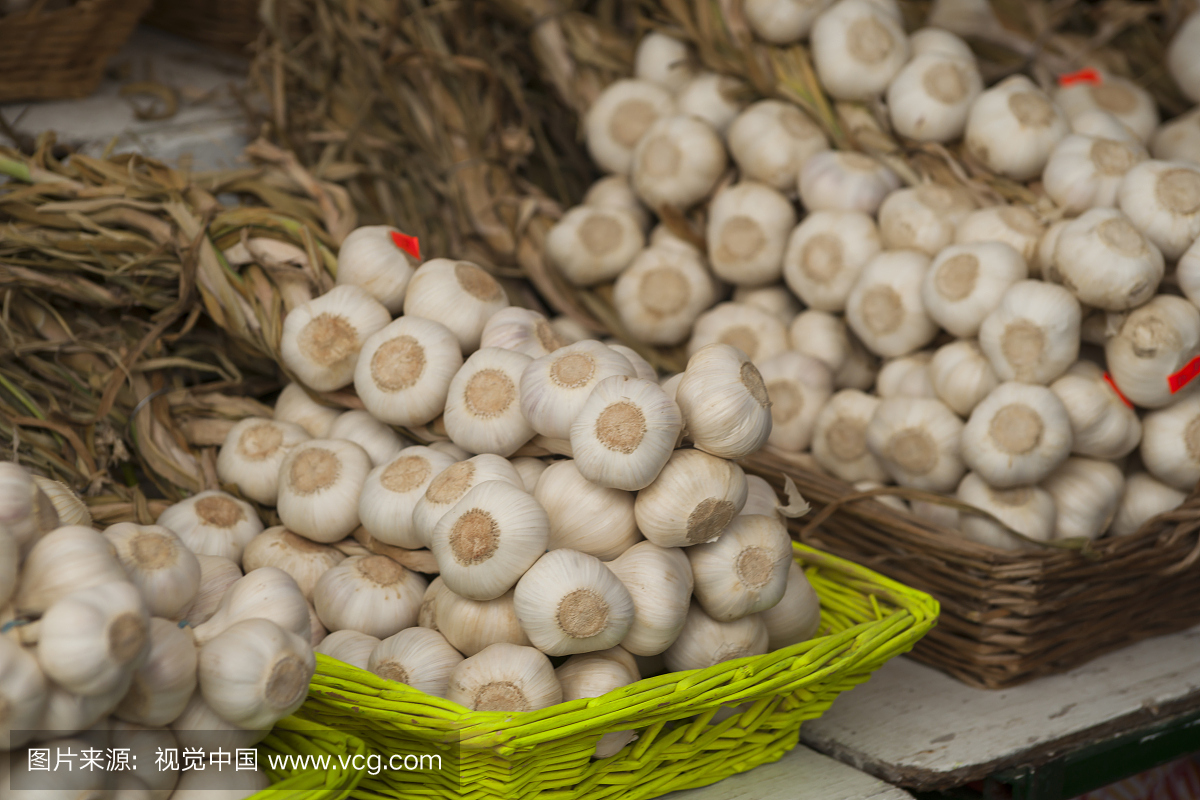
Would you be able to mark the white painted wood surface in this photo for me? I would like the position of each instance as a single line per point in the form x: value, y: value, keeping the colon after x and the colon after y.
x: 911, y: 720
x: 800, y: 775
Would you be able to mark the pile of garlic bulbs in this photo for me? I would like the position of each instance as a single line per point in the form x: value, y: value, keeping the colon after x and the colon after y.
x: 1029, y: 359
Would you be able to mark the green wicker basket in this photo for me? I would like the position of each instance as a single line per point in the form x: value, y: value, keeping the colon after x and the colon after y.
x: 294, y: 736
x: 685, y: 736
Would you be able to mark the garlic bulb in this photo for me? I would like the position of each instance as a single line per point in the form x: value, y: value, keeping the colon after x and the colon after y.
x: 266, y: 593
x: 522, y: 330
x: 1151, y: 344
x: 392, y: 491
x: 162, y: 686
x: 530, y: 469
x: 936, y: 41
x: 1028, y: 510
x: 797, y: 616
x: 1162, y: 200
x: 798, y: 386
x: 416, y: 657
x: 92, y: 640
x: 252, y: 452
x: 659, y: 581
x: 450, y: 449
x: 25, y: 512
x: 68, y: 712
x: 704, y: 642
x: 69, y: 506
x: 961, y: 375
x: 885, y: 309
x: 555, y: 387
x: 303, y: 559
x: 1013, y: 225
x: 379, y: 441
x: 255, y: 673
x: 427, y: 615
x: 664, y: 237
x: 641, y: 367
x: 748, y: 226
x: 906, y: 376
x: 965, y: 283
x: 586, y: 516
x: 931, y: 96
x: 595, y: 675
x: 1129, y: 103
x: 217, y: 574
x: 199, y: 726
x: 663, y: 60
x: 483, y: 408
x: 744, y: 571
x: 678, y: 162
x: 783, y: 21
x: 458, y: 294
x: 1033, y: 334
x: 1144, y: 497
x: 404, y: 372
x: 923, y: 218
x: 164, y: 571
x: 593, y: 244
x: 1102, y: 425
x: 1178, y: 139
x: 760, y: 497
x: 23, y: 692
x: 505, y: 677
x: 771, y: 140
x: 1013, y: 127
x: 757, y: 333
x: 620, y: 117
x: 611, y: 191
x: 916, y: 440
x: 370, y: 594
x: 371, y: 258
x: 1171, y: 443
x: 1102, y: 125
x: 489, y: 539
x: 692, y: 500
x: 1086, y: 493
x: 569, y: 602
x: 452, y: 484
x: 1103, y: 259
x: 823, y: 336
x: 724, y: 402
x: 1017, y: 435
x: 857, y: 50
x: 662, y: 293
x: 319, y: 485
x: 839, y: 441
x: 144, y: 743
x: 295, y: 406
x: 213, y: 523
x: 843, y: 180
x: 350, y: 647
x: 1085, y: 172
x: 713, y: 98
x: 471, y: 625
x: 317, y: 632
x: 62, y: 562
x: 1181, y: 57
x: 322, y: 338
x: 775, y: 299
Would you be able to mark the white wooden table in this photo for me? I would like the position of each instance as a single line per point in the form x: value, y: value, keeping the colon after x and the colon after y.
x: 916, y: 727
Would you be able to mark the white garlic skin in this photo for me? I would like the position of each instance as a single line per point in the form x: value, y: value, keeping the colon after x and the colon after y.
x: 844, y: 180
x: 713, y: 98
x: 458, y: 294
x: 1162, y: 200
x: 1032, y: 336
x: 569, y: 602
x: 965, y: 282
x: 295, y: 406
x: 1028, y: 510
x: 1102, y: 425
x: 660, y: 582
x: 213, y: 523
x: 839, y: 441
x: 885, y: 308
x: 265, y: 593
x: 1013, y: 225
x: 321, y: 339
x: 1171, y: 443
x: 530, y: 469
x: 594, y: 675
x: 23, y: 692
x: 592, y: 244
x: 1129, y: 103
x: 450, y: 486
x: 748, y: 227
x: 1085, y: 172
x: 825, y: 255
x: 472, y: 625
x: 349, y: 646
x: 823, y: 336
x: 678, y: 162
x: 614, y: 191
x: 620, y: 117
x: 906, y: 376
x: 931, y: 96
x: 755, y: 332
x: 162, y: 686
x: 554, y: 388
x: 1086, y: 493
x: 64, y: 561
x: 704, y: 641
x: 1178, y: 139
x: 91, y: 641
x: 304, y: 560
x: 771, y: 141
x: 783, y: 21
x: 1151, y: 343
x: 521, y: 330
x: 417, y: 657
x: 371, y: 594
x: 371, y: 258
x: 797, y: 616
x: 200, y: 726
x: 483, y: 407
x: 25, y: 511
x: 724, y: 402
x: 798, y: 386
x: 378, y: 439
x: 1181, y: 58
x: 585, y: 516
x: 775, y: 299
x: 391, y: 492
x: 663, y: 60
x: 1103, y: 259
x: 744, y: 571
x: 1144, y: 497
x: 67, y: 504
x: 252, y: 452
x: 319, y: 484
x: 916, y: 440
x: 1017, y: 435
x: 660, y: 295
x: 217, y: 574
x: 165, y: 572
x: 404, y: 372
x: 1013, y: 126
x: 857, y: 50
x: 961, y: 375
x: 923, y: 218
x: 505, y: 677
x: 692, y: 500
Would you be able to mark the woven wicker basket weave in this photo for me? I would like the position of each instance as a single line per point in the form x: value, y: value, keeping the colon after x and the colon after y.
x: 228, y: 24
x: 866, y: 619
x: 62, y: 53
x: 293, y: 736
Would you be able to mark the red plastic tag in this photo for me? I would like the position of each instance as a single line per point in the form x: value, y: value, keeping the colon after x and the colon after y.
x: 408, y: 244
x: 1113, y: 385
x: 1088, y: 75
x: 1184, y: 376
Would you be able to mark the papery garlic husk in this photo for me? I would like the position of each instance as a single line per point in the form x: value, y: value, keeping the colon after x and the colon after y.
x: 569, y: 602
x: 64, y: 561
x: 760, y: 497
x: 923, y: 218
x: 487, y: 541
x: 428, y: 613
x: 69, y: 506
x: 748, y: 227
x: 775, y: 299
x: 164, y: 571
x: 678, y: 162
x: 483, y: 408
x: 1085, y: 172
x: 586, y: 516
x: 885, y: 308
x: 619, y: 118
x: 916, y: 440
x: 371, y: 594
x: 798, y: 386
x: 1162, y: 200
x: 1102, y: 424
x: 294, y: 405
x: 1152, y: 343
x: 1129, y: 103
x: 931, y: 96
x: 712, y: 97
x: 906, y: 376
x: 845, y: 180
x: 1032, y: 336
x: 379, y: 441
x: 392, y: 491
x: 1144, y: 497
x: 783, y: 21
x: 1086, y: 493
x: 857, y: 50
x: 404, y: 372
x: 255, y: 673
x: 724, y: 402
x: 758, y: 334
x: 659, y: 581
x: 458, y: 294
x: 1170, y: 446
x: 319, y: 485
x: 839, y: 441
x: 321, y: 339
x: 371, y: 258
x: 25, y: 511
x: 704, y: 641
x: 471, y: 625
x: 23, y: 693
x: 744, y: 571
x: 1017, y: 435
x: 213, y: 523
x: 1013, y: 126
x: 1028, y: 510
x: 252, y: 452
x: 452, y: 484
x: 692, y: 500
x: 771, y: 141
x: 200, y: 726
x: 530, y: 469
x: 593, y: 675
x: 93, y: 639
x: 349, y: 646
x: 265, y: 593
x: 1013, y: 225
x: 797, y: 616
x: 505, y: 677
x: 612, y: 191
x: 217, y: 574
x: 416, y: 657
x: 662, y: 293
x: 966, y: 282
x: 522, y: 330
x: 220, y: 785
x: 1103, y: 259
x: 962, y: 375
x: 554, y: 388
x: 303, y: 559
x: 1178, y: 139
x: 641, y: 367
x: 593, y: 244
x: 162, y: 686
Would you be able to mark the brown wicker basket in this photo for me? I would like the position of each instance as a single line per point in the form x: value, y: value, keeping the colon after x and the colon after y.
x: 227, y: 24
x: 47, y: 55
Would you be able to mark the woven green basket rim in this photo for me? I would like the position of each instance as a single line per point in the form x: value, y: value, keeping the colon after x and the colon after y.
x: 293, y: 735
